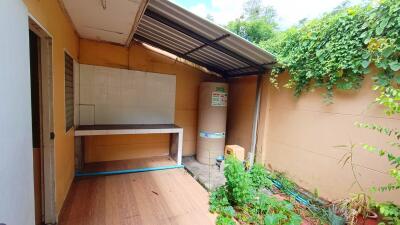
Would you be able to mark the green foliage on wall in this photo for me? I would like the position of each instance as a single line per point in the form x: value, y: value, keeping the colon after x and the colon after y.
x: 337, y: 50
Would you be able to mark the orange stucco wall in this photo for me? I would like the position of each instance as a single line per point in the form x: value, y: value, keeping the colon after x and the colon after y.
x: 299, y: 135
x: 138, y: 57
x: 242, y: 99
x: 50, y: 15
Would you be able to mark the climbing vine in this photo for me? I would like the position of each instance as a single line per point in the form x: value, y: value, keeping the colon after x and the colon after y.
x: 338, y: 49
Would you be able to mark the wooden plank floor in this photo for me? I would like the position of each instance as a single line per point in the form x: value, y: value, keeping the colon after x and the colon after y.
x: 159, y: 197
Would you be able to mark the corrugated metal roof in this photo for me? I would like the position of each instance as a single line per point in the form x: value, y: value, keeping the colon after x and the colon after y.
x: 173, y: 29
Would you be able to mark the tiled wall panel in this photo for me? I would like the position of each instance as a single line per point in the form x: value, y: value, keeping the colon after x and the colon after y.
x: 118, y: 96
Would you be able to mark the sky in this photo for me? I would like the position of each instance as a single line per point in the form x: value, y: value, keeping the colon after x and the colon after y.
x: 289, y: 11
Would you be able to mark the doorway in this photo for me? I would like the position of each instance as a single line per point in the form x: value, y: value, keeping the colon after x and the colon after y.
x: 34, y: 56
x: 40, y: 48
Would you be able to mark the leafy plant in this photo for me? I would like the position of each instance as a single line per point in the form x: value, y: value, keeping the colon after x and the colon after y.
x: 219, y: 204
x: 259, y: 177
x: 337, y: 50
x: 389, y: 98
x: 239, y: 198
x: 270, y: 211
x: 276, y: 212
x: 390, y: 213
x: 393, y: 159
x: 225, y: 220
x: 219, y: 200
x: 238, y: 182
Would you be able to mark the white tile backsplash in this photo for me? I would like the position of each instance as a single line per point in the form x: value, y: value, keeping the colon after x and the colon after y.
x: 86, y: 94
x: 86, y: 114
x: 126, y: 96
x: 87, y: 74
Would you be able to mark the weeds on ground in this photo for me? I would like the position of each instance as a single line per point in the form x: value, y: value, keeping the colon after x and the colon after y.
x: 260, y: 177
x: 238, y: 182
x: 240, y: 198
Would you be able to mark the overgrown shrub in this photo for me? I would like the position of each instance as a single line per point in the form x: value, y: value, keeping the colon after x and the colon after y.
x: 224, y: 220
x: 390, y: 213
x: 226, y: 215
x: 239, y: 198
x: 276, y: 211
x: 238, y: 182
x: 219, y: 200
x: 336, y: 51
x: 259, y: 177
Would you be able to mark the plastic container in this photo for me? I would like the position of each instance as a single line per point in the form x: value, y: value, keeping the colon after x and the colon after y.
x: 213, y: 102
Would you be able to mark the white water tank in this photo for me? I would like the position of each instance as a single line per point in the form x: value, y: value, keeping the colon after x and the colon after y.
x: 213, y: 102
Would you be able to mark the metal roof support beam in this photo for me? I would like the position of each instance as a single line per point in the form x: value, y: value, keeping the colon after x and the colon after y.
x: 245, y: 68
x: 157, y: 45
x: 238, y: 69
x: 244, y: 74
x: 200, y: 38
x: 205, y: 45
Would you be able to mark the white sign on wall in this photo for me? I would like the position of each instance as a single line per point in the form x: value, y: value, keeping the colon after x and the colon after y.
x: 118, y: 96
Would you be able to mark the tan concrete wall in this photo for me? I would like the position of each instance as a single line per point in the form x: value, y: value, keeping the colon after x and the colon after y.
x: 140, y: 58
x: 52, y: 18
x: 242, y: 99
x: 298, y: 136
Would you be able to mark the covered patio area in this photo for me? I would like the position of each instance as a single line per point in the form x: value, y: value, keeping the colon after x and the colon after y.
x: 115, y: 89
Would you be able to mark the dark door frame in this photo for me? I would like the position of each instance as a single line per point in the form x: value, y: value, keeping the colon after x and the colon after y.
x: 49, y: 215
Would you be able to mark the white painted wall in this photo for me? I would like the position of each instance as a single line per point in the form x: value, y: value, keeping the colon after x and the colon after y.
x: 16, y: 169
x: 118, y: 96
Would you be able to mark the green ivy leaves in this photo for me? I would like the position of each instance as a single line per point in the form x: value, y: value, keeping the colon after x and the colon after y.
x: 337, y: 50
x: 394, y: 65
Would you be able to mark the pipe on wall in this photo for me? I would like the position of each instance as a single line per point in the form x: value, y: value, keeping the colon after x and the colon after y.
x: 256, y: 116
